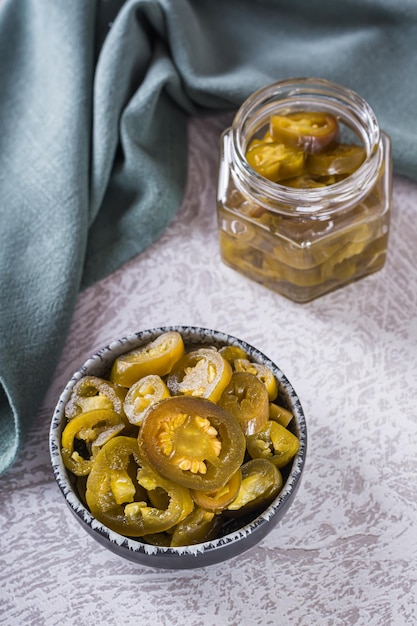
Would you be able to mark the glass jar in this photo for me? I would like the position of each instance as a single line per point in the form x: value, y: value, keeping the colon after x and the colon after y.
x: 304, y: 242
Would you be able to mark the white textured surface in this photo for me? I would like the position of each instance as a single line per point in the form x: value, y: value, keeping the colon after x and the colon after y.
x: 346, y: 552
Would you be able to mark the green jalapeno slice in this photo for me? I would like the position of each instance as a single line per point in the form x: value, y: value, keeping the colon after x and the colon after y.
x: 197, y: 527
x: 273, y: 442
x: 261, y: 483
x: 246, y: 398
x: 114, y: 499
x: 192, y: 441
x: 262, y: 372
x: 219, y: 499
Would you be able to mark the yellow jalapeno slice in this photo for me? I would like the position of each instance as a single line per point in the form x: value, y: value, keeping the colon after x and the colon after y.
x: 262, y: 372
x: 279, y: 414
x: 342, y: 159
x: 156, y: 357
x: 273, y: 442
x: 83, y: 436
x: 310, y: 131
x: 261, y: 483
x: 276, y: 161
x: 230, y: 353
x: 267, y: 138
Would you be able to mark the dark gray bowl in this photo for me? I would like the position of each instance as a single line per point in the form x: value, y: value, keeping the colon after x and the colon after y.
x: 242, y: 534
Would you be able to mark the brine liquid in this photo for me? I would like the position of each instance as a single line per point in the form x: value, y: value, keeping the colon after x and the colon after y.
x: 299, y: 257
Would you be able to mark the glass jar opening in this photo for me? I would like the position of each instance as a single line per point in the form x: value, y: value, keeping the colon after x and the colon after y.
x: 306, y: 94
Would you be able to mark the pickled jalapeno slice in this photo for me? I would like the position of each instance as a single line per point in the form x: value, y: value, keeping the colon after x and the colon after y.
x: 200, y: 525
x: 156, y: 357
x: 305, y: 182
x: 276, y: 161
x: 261, y: 482
x: 342, y: 159
x: 202, y: 373
x: 85, y: 434
x: 273, y: 442
x: 246, y: 398
x: 267, y: 138
x: 115, y: 500
x: 193, y: 442
x: 92, y: 392
x: 219, y: 499
x: 230, y: 353
x: 143, y: 394
x: 262, y: 372
x: 279, y: 414
x: 310, y: 131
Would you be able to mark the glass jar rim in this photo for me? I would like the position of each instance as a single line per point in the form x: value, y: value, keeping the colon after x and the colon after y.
x: 331, y: 96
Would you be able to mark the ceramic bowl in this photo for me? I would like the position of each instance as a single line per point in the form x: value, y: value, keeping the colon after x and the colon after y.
x: 240, y: 535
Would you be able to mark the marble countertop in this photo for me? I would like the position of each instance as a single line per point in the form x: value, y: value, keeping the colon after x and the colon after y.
x: 346, y: 552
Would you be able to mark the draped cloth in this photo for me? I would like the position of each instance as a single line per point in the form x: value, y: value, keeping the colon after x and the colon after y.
x: 94, y: 101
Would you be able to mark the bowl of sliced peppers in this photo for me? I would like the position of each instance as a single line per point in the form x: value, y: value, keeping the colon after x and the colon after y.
x: 178, y: 447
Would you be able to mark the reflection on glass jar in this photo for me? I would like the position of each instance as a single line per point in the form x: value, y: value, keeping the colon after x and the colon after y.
x: 311, y: 234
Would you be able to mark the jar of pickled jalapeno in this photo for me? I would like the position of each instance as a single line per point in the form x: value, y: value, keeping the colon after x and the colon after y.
x: 304, y: 188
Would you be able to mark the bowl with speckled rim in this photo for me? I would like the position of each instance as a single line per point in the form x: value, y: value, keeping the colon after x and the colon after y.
x: 240, y: 534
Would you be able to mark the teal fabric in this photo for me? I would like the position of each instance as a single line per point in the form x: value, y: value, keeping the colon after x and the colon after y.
x: 94, y: 101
